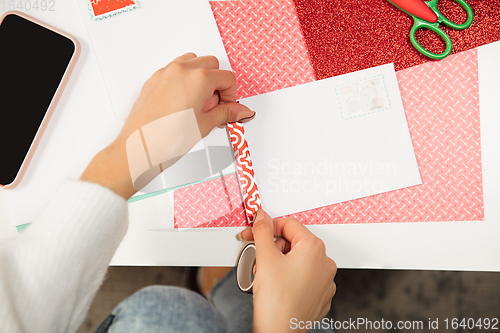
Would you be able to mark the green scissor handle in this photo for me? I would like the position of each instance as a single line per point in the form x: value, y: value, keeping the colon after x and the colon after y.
x: 419, y: 24
x: 422, y: 24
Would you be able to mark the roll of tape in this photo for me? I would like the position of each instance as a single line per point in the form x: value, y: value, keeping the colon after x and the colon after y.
x: 244, y: 268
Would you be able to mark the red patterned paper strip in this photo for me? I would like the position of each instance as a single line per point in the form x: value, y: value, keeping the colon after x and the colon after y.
x: 246, y: 175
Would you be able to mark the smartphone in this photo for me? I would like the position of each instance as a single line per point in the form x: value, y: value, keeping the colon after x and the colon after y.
x: 36, y: 61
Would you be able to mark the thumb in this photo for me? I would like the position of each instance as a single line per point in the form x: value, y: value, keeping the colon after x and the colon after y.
x: 263, y: 235
x: 224, y: 113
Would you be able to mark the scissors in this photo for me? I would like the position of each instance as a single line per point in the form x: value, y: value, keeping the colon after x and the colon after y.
x: 426, y: 15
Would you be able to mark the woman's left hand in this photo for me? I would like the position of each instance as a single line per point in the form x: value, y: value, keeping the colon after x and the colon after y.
x: 188, y: 82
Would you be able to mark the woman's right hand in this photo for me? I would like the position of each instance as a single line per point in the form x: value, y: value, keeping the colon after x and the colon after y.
x: 294, y: 277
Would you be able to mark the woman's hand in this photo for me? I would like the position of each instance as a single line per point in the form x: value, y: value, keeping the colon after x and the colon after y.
x: 188, y: 82
x: 293, y: 277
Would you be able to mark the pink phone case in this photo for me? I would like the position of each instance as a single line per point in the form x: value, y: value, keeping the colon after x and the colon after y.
x: 55, y: 99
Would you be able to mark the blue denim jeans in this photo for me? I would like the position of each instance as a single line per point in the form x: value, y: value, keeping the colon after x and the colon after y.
x: 158, y: 309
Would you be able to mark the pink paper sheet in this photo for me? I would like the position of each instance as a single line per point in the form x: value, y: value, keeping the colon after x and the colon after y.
x: 441, y: 101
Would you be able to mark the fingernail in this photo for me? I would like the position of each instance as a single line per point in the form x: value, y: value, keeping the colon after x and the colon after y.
x: 258, y: 216
x: 222, y: 126
x: 245, y: 116
x: 239, y: 236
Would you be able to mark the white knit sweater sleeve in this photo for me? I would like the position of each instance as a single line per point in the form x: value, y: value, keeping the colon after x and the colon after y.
x: 50, y: 273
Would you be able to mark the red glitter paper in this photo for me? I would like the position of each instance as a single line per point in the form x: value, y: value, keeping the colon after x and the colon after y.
x: 347, y: 36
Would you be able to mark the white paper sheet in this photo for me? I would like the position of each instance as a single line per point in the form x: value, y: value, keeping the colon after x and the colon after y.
x: 131, y: 46
x: 441, y: 245
x: 330, y: 141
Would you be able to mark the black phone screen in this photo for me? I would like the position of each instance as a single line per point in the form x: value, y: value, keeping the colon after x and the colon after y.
x: 33, y: 61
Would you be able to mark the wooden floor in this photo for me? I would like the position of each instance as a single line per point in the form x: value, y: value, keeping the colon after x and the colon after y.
x: 371, y: 294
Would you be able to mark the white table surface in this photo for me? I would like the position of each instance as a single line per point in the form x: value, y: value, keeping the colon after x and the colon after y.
x: 429, y: 245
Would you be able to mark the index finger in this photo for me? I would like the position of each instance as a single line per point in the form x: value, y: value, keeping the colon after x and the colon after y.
x: 185, y: 57
x: 288, y: 228
x: 291, y: 230
x: 207, y: 62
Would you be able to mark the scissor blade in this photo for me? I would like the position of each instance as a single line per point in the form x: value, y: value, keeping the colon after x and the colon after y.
x: 417, y: 8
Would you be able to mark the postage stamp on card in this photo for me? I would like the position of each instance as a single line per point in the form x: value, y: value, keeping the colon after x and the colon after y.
x: 363, y: 97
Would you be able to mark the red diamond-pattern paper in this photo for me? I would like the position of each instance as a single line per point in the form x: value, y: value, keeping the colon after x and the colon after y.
x: 264, y: 43
x: 213, y: 203
x: 441, y: 100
